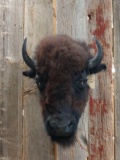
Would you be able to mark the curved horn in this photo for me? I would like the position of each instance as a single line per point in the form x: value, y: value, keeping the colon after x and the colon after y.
x: 25, y: 56
x: 98, y: 57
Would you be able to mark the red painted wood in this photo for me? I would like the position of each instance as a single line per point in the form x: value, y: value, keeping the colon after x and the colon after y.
x: 101, y: 122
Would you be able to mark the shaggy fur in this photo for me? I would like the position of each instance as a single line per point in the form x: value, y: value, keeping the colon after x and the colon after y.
x: 61, y: 75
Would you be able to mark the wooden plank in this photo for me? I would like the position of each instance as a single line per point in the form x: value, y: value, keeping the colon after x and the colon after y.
x: 72, y: 20
x: 38, y: 23
x: 116, y: 16
x: 11, y: 20
x: 2, y: 135
x: 101, y: 123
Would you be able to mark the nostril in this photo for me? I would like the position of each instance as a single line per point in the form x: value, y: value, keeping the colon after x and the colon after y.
x: 71, y: 124
x: 53, y: 125
x: 69, y: 127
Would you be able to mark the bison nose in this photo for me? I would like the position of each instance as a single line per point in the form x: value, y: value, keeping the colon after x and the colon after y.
x: 62, y: 125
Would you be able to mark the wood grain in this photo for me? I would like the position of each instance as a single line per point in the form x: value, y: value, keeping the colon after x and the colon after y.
x: 101, y: 122
x: 116, y: 17
x: 11, y: 31
x: 72, y: 18
x: 38, y: 23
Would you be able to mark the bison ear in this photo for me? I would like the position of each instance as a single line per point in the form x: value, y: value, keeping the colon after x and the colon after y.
x: 30, y: 73
x: 97, y: 69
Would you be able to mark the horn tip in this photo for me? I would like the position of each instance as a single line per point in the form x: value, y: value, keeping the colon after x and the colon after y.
x: 95, y: 38
x: 25, y: 39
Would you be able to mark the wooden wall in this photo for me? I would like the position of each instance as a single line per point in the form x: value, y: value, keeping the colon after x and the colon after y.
x: 116, y: 7
x: 101, y: 121
x: 22, y: 132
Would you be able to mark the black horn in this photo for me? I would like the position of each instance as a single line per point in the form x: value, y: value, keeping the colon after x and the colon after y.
x: 30, y: 63
x: 98, y: 57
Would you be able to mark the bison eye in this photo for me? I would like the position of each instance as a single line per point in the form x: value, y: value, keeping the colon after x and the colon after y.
x: 39, y: 82
x: 81, y: 84
x: 80, y: 81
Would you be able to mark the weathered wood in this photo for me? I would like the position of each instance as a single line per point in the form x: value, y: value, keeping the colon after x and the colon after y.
x: 24, y: 137
x: 11, y: 31
x: 72, y: 20
x: 116, y: 17
x: 38, y: 23
x: 101, y: 123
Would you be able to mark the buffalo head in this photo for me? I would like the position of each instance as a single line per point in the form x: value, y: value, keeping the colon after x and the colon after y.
x: 60, y: 70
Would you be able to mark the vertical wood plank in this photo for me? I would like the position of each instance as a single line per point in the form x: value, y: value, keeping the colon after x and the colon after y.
x: 72, y: 20
x: 11, y: 32
x: 101, y: 123
x: 116, y: 16
x: 38, y: 23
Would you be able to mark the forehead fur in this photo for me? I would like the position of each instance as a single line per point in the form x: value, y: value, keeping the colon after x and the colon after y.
x: 61, y: 55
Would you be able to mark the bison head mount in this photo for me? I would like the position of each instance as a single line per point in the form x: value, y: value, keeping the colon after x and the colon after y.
x: 60, y: 69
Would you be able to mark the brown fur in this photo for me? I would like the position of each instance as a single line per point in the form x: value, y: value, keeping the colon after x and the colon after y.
x: 61, y: 58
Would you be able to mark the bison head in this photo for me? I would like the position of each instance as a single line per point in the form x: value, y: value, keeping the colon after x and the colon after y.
x: 60, y: 69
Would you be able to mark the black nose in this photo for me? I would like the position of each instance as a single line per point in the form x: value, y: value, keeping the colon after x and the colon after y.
x: 61, y: 125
